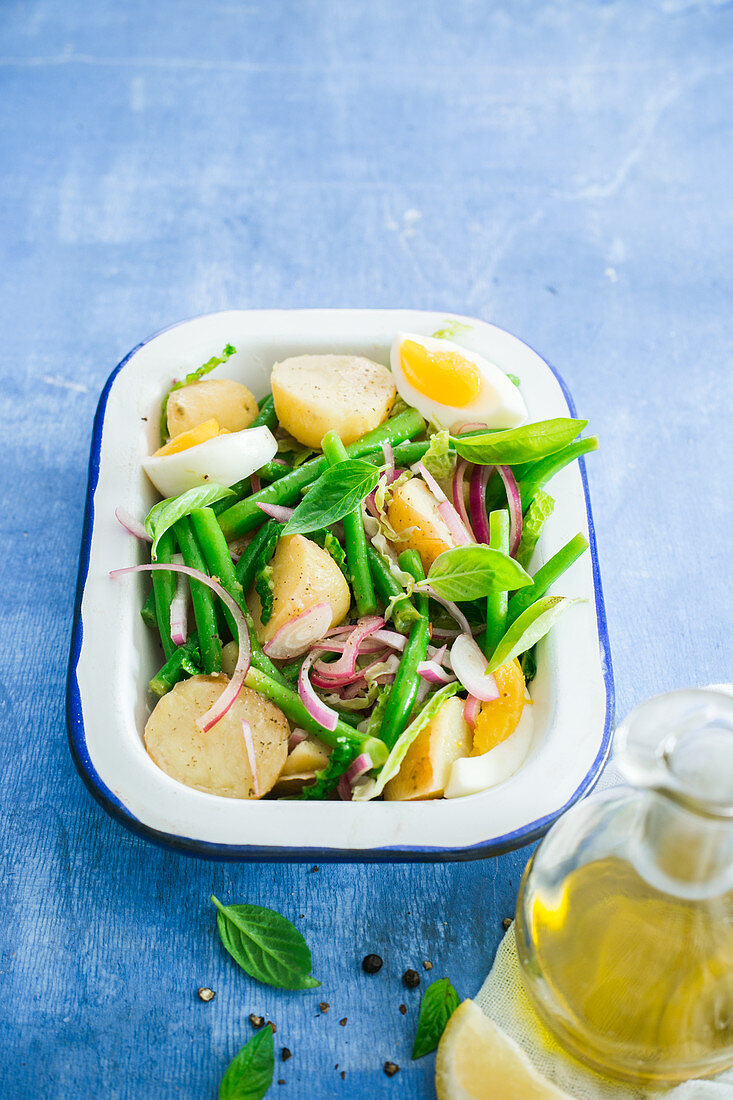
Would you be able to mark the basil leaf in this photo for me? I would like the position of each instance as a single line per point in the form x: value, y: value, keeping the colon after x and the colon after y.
x: 439, y: 1002
x: 266, y: 945
x: 249, y: 1074
x: 539, y: 510
x: 166, y: 512
x: 525, y: 444
x: 469, y: 572
x: 525, y: 631
x: 338, y: 491
x: 194, y: 376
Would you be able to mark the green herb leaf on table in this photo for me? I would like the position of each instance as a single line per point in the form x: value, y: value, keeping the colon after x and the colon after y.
x: 528, y: 443
x: 527, y: 630
x: 266, y: 945
x: 469, y: 572
x: 534, y: 520
x: 439, y: 1002
x: 250, y: 1072
x: 194, y: 376
x: 166, y: 513
x: 339, y: 490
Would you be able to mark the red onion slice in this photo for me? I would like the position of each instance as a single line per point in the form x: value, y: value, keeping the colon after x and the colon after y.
x: 451, y: 517
x: 249, y: 746
x: 344, y: 790
x: 391, y: 638
x: 276, y: 511
x: 470, y: 711
x: 134, y: 526
x: 346, y: 663
x: 514, y: 500
x: 459, y: 501
x: 477, y: 500
x: 319, y: 712
x: 323, y: 678
x: 469, y: 665
x: 179, y: 608
x: 299, y: 634
x: 434, y: 673
x: 233, y: 688
x: 453, y: 609
x: 295, y: 738
x: 360, y: 767
x: 256, y: 483
x: 388, y: 457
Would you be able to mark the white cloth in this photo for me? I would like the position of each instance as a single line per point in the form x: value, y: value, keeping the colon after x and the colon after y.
x: 503, y: 998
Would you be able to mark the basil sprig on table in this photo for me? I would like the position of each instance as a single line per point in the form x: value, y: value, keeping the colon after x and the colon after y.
x: 250, y: 1072
x: 439, y: 1002
x: 469, y: 572
x: 166, y: 513
x: 194, y: 376
x: 527, y: 630
x: 266, y: 945
x: 337, y: 492
x: 526, y: 444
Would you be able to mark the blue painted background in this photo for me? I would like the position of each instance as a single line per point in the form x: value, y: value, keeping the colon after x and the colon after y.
x: 560, y: 168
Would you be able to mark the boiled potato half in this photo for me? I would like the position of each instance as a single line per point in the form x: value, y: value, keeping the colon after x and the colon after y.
x: 426, y: 768
x: 216, y: 761
x: 413, y: 505
x: 315, y: 394
x: 303, y: 576
x: 232, y: 405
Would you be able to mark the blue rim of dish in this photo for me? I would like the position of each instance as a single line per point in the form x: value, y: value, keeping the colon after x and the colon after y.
x: 109, y: 801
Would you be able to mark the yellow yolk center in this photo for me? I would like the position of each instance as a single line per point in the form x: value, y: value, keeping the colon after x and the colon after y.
x: 202, y: 433
x: 446, y: 376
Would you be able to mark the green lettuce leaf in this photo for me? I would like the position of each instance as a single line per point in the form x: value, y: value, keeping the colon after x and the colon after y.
x: 439, y: 460
x: 534, y: 520
x: 527, y: 630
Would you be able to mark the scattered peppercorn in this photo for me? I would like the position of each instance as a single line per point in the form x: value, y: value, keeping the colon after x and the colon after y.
x: 344, y: 1021
x: 281, y: 1080
x: 390, y: 1068
x: 285, y: 1053
x: 324, y: 1006
x: 427, y: 965
x: 372, y: 964
x: 206, y: 994
x: 343, y: 1074
x: 403, y: 1009
x: 506, y: 923
x: 273, y: 1026
x: 315, y: 868
x: 411, y: 979
x: 256, y: 1021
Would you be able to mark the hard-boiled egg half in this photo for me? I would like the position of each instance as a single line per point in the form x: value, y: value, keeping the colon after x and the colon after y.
x: 451, y: 385
x: 208, y: 453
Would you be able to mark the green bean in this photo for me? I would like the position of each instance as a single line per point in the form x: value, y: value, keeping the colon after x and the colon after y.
x: 246, y: 515
x: 164, y: 587
x: 542, y: 471
x: 496, y: 602
x: 294, y: 709
x: 220, y: 565
x: 253, y: 553
x: 274, y: 470
x: 267, y: 416
x: 403, y: 693
x: 354, y: 537
x: 388, y: 588
x: 184, y: 661
x: 202, y: 598
x: 147, y: 611
x: 545, y: 576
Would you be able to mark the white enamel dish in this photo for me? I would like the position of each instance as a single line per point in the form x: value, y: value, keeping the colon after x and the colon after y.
x: 113, y: 654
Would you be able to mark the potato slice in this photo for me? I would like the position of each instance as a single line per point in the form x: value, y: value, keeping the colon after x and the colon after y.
x: 413, y: 505
x: 303, y: 575
x: 306, y: 757
x: 230, y: 403
x: 216, y: 761
x: 429, y: 759
x: 315, y: 394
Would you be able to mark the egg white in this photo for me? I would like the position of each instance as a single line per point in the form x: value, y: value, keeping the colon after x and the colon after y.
x: 222, y: 461
x: 472, y: 774
x: 499, y: 403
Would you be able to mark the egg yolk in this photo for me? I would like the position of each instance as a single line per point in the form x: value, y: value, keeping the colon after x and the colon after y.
x: 446, y: 376
x: 202, y: 433
x: 498, y: 719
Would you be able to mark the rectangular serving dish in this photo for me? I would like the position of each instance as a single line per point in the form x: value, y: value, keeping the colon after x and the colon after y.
x: 113, y: 654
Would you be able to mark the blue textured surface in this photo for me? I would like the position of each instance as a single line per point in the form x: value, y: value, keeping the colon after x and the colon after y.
x: 562, y: 169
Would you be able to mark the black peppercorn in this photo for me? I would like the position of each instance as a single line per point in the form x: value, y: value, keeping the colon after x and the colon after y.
x: 390, y: 1068
x: 372, y: 964
x: 256, y: 1021
x: 506, y: 923
x: 411, y: 979
x: 285, y: 1053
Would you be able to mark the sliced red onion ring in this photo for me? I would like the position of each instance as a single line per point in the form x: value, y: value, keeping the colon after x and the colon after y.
x: 470, y: 426
x: 451, y: 517
x: 319, y: 712
x: 390, y: 637
x: 233, y: 688
x: 514, y: 500
x: 470, y: 711
x: 477, y: 500
x: 434, y: 673
x: 344, y: 790
x: 134, y: 526
x: 388, y: 457
x: 432, y: 484
x: 299, y: 634
x: 360, y: 767
x: 346, y: 663
x: 453, y: 609
x: 469, y: 665
x: 179, y: 607
x: 295, y: 738
x: 459, y: 501
x: 256, y: 483
x: 322, y: 675
x: 276, y: 511
x: 249, y: 746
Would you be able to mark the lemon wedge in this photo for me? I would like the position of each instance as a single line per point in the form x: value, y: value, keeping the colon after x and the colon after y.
x: 478, y: 1061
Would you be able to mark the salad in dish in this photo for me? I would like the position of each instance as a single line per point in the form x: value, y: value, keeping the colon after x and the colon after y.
x: 342, y: 575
